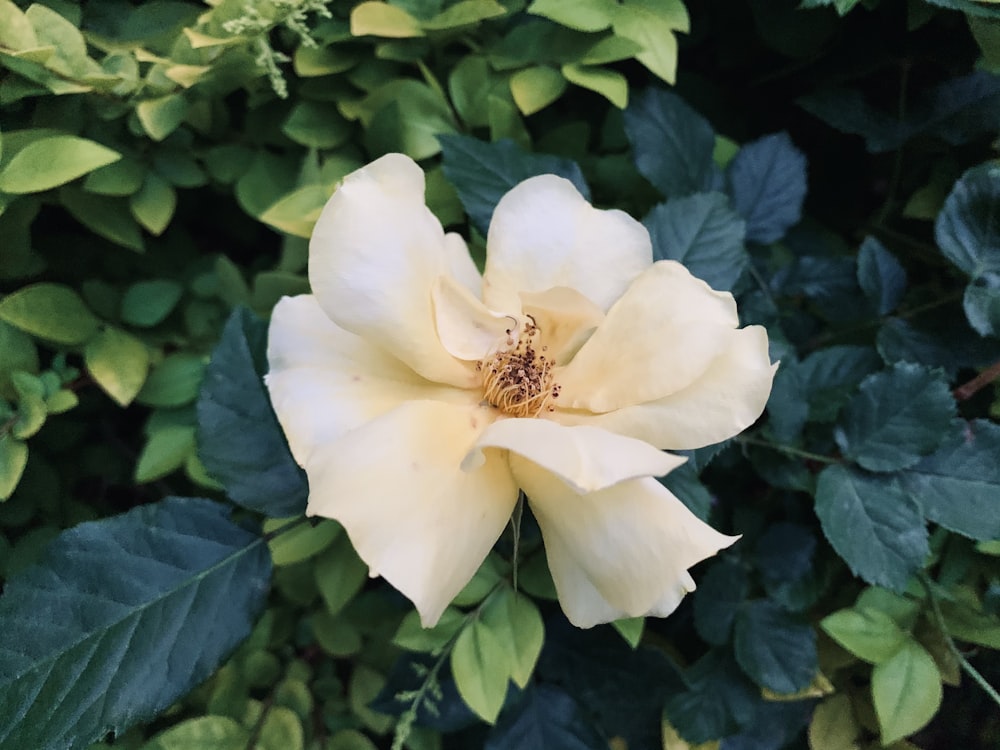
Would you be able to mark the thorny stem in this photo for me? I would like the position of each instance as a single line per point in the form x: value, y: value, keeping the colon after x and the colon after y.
x: 962, y: 661
x: 983, y: 379
x: 787, y: 449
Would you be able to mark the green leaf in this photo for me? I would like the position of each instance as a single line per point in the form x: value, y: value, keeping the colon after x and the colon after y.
x: 767, y: 181
x: 52, y: 161
x: 50, y: 311
x: 405, y: 115
x: 122, y: 177
x: 610, y: 84
x: 481, y: 668
x: 203, y: 733
x: 536, y: 87
x: 317, y: 125
x: 89, y: 629
x: 672, y: 143
x: 162, y: 116
x: 897, y: 416
x: 413, y: 636
x: 464, y: 13
x: 104, y: 216
x: 165, y: 451
x: 880, y: 275
x: 17, y: 352
x: 517, y: 624
x: 906, y: 690
x: 582, y: 15
x: 867, y: 633
x: 118, y: 362
x: 651, y: 24
x: 958, y: 485
x: 13, y: 458
x: 173, y: 382
x: 483, y: 172
x: 297, y: 212
x: 340, y: 574
x: 469, y: 85
x: 718, y: 700
x: 702, y: 232
x: 31, y: 408
x: 239, y: 439
x: 147, y: 303
x: 631, y: 629
x: 302, y: 541
x: 381, y: 19
x: 873, y: 524
x: 546, y: 717
x: 775, y: 648
x: 154, y: 204
x: 718, y: 599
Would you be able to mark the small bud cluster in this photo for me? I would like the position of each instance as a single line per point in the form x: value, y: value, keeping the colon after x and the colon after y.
x: 517, y: 379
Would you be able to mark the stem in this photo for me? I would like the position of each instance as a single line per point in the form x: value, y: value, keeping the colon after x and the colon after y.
x: 287, y: 527
x: 983, y: 379
x: 962, y: 661
x: 515, y: 525
x: 258, y: 726
x: 787, y: 449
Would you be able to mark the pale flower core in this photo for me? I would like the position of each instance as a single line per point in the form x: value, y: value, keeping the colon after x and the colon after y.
x: 422, y: 396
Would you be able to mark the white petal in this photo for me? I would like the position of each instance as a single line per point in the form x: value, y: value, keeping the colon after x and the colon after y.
x: 662, y: 334
x: 565, y: 318
x: 461, y: 266
x: 414, y: 516
x: 465, y: 326
x: 374, y: 254
x: 726, y: 399
x: 545, y: 234
x: 324, y: 381
x: 587, y: 458
x: 619, y: 552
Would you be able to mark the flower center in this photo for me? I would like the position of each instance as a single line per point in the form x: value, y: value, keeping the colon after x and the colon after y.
x: 517, y: 378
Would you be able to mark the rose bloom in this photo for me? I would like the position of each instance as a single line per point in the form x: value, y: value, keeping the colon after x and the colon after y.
x: 420, y: 396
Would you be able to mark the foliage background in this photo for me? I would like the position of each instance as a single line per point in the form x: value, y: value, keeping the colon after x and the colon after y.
x: 830, y: 162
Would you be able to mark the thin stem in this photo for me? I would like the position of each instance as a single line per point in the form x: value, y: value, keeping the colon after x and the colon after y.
x: 983, y: 379
x: 287, y: 527
x: 515, y: 526
x: 962, y: 661
x: 787, y: 449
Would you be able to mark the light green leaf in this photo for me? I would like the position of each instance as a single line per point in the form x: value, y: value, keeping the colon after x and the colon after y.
x: 118, y: 363
x: 282, y: 730
x: 481, y: 668
x: 310, y: 62
x: 104, y: 216
x: 297, y: 212
x: 301, y: 542
x: 317, y: 125
x: 906, y: 691
x: 536, y: 88
x: 610, y: 84
x: 517, y: 625
x: 381, y: 19
x: 630, y: 629
x: 52, y: 161
x: 31, y: 407
x: 165, y: 451
x: 147, y: 303
x: 16, y: 32
x: 154, y: 204
x: 413, y: 636
x: 17, y: 352
x: 340, y: 574
x: 833, y: 726
x: 174, y: 382
x: 867, y: 633
x: 122, y: 177
x: 464, y: 13
x: 160, y: 117
x: 50, y: 311
x: 13, y: 458
x: 651, y: 24
x: 582, y: 15
x: 203, y: 733
x: 482, y: 583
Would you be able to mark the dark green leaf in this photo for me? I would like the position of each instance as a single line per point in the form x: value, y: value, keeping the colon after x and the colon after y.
x: 717, y: 599
x: 880, y: 275
x: 776, y: 649
x: 482, y: 172
x: 449, y: 712
x: 702, y: 232
x: 546, y: 717
x: 876, y: 527
x: 672, y: 143
x: 719, y: 699
x: 239, y: 438
x: 897, y: 416
x: 785, y: 560
x: 968, y: 227
x: 123, y: 616
x: 959, y: 485
x: 982, y: 304
x: 830, y: 375
x: 946, y: 341
x: 776, y: 726
x: 684, y: 483
x: 767, y: 181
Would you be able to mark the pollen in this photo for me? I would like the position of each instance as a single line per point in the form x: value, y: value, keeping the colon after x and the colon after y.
x: 517, y: 378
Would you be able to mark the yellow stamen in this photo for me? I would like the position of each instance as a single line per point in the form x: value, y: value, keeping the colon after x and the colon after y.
x: 517, y: 379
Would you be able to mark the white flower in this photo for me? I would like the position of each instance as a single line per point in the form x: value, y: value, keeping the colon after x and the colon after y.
x: 419, y: 395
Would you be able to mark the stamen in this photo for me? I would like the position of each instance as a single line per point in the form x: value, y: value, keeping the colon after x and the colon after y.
x: 518, y: 380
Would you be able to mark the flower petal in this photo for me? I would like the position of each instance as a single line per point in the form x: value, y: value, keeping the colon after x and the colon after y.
x: 565, y: 318
x: 662, y: 334
x: 726, y: 399
x: 324, y: 381
x: 619, y: 552
x: 586, y: 458
x: 461, y: 265
x: 374, y: 254
x: 545, y: 234
x: 414, y: 516
x: 465, y: 326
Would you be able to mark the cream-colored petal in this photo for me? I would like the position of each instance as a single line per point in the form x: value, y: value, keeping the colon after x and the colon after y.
x: 620, y: 552
x: 374, y: 254
x: 460, y: 264
x: 726, y: 399
x: 324, y: 381
x: 545, y: 234
x: 662, y: 334
x: 565, y: 318
x: 468, y: 330
x: 414, y: 516
x: 586, y: 458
